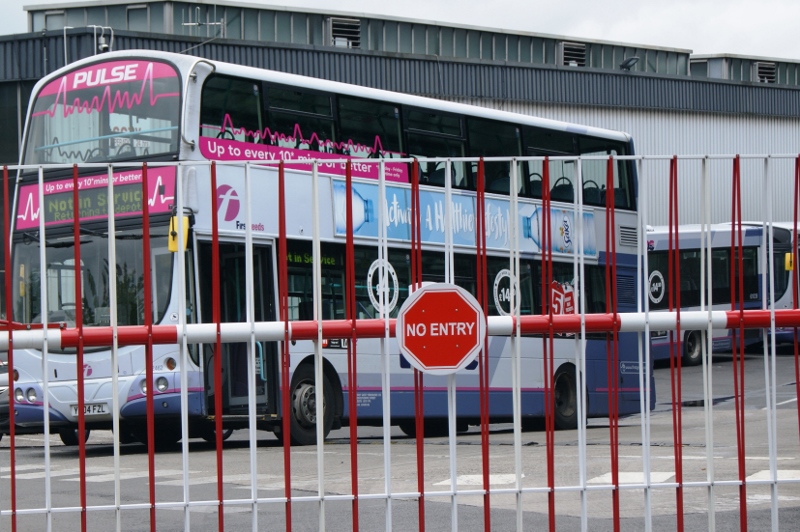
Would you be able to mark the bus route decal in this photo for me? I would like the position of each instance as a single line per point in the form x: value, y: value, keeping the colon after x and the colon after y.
x: 504, y: 285
x: 234, y: 150
x: 93, y: 197
x: 106, y: 75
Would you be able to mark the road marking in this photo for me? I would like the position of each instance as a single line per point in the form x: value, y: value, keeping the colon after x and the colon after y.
x: 637, y: 477
x: 782, y: 474
x: 130, y: 475
x: 243, y: 478
x: 18, y: 468
x: 477, y: 480
x: 60, y: 473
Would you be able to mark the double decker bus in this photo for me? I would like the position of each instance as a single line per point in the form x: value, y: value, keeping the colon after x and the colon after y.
x: 177, y: 113
x: 706, y: 257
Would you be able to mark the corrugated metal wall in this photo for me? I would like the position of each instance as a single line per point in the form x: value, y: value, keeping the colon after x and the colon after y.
x: 670, y: 133
x: 31, y: 56
x: 665, y: 115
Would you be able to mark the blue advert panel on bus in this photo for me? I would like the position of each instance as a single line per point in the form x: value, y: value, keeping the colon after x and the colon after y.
x: 397, y: 216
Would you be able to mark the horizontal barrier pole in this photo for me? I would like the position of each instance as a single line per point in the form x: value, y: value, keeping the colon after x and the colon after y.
x: 67, y: 338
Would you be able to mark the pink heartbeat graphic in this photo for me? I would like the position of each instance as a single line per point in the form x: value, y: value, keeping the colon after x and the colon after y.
x: 298, y: 137
x: 120, y: 99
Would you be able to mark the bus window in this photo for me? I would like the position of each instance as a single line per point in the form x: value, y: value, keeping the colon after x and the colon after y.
x: 300, y: 262
x: 231, y: 109
x: 300, y: 119
x: 431, y: 134
x: 495, y: 139
x: 369, y: 129
x: 562, y: 174
x: 74, y: 119
x: 594, y: 173
x: 95, y: 295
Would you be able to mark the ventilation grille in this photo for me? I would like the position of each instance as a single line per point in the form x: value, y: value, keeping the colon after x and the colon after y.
x: 628, y: 236
x: 764, y: 72
x: 573, y: 54
x: 626, y: 290
x: 345, y: 32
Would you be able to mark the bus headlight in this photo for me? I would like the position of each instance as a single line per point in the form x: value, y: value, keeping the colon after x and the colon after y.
x: 143, y: 386
x: 18, y: 395
x: 30, y: 393
x: 161, y: 384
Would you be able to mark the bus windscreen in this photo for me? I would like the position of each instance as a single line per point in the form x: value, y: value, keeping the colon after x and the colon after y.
x: 110, y: 111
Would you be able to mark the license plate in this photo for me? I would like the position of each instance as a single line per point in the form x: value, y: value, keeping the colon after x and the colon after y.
x: 91, y: 409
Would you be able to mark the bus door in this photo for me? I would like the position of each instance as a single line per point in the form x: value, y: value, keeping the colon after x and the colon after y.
x: 233, y: 308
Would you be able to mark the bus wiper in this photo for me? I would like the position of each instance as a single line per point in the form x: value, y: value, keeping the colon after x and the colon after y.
x: 85, y: 231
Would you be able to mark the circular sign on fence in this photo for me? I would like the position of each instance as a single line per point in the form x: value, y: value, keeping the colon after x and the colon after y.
x: 390, y: 294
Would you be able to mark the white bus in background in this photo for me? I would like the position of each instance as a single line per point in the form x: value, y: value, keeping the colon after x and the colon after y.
x: 694, y: 262
x: 177, y: 113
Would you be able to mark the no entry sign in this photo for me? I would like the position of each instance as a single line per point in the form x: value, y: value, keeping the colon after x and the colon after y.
x: 440, y: 328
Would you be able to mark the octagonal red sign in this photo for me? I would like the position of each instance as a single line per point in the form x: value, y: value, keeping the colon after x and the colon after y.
x: 440, y: 328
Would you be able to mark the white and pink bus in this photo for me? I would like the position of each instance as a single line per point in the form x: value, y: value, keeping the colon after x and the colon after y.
x: 109, y: 114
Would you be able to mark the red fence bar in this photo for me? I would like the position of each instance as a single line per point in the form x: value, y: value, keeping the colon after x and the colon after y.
x: 612, y: 341
x: 548, y: 342
x: 419, y: 398
x: 352, y: 366
x: 375, y: 328
x: 737, y: 298
x: 148, y: 355
x: 794, y: 287
x: 283, y: 287
x: 76, y: 228
x: 483, y: 360
x: 9, y: 324
x: 675, y: 353
x: 216, y: 317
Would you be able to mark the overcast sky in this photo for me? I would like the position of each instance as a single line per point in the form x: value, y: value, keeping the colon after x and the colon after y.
x: 767, y: 28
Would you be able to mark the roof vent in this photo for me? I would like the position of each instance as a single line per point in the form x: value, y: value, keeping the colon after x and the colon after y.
x: 573, y: 54
x: 764, y: 72
x: 345, y: 32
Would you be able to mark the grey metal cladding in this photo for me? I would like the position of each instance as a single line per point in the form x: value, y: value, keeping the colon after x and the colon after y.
x: 27, y: 57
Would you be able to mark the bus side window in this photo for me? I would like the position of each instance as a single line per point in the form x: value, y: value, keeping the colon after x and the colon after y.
x: 494, y: 139
x: 369, y: 129
x: 231, y: 109
x: 300, y: 119
x: 431, y: 134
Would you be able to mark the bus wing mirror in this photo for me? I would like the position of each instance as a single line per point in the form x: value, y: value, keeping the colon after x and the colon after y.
x: 173, y: 233
x: 788, y: 261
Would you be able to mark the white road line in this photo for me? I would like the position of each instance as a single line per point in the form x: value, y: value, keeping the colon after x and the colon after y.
x: 130, y: 475
x: 637, y: 477
x: 783, y: 474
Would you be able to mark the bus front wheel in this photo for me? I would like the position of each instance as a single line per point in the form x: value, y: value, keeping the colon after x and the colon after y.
x: 303, y: 397
x: 69, y: 436
x: 565, y: 391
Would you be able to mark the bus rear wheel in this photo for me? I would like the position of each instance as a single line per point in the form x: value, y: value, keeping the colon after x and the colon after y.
x: 565, y: 391
x: 303, y: 397
x: 210, y: 435
x: 693, y: 349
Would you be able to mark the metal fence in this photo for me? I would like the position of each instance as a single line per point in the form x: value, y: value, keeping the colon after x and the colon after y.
x: 707, y: 449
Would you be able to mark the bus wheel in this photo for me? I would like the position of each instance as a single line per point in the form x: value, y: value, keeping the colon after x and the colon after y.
x: 566, y: 398
x: 304, y: 406
x: 210, y: 435
x: 69, y: 436
x: 693, y: 349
